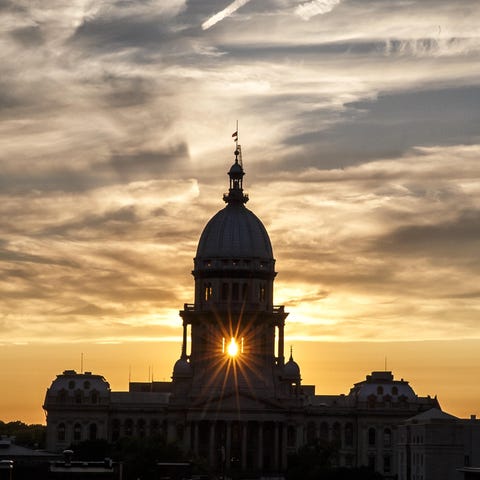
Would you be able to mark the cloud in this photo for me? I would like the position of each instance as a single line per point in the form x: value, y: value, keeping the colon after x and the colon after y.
x: 310, y: 9
x: 226, y: 12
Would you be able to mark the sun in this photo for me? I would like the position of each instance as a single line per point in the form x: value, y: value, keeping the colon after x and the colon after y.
x: 232, y: 348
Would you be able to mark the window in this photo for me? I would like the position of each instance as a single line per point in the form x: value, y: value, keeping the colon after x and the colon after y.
x: 387, y: 438
x: 245, y: 291
x: 310, y: 432
x: 349, y: 434
x: 262, y: 293
x: 71, y: 384
x: 154, y: 427
x: 224, y: 291
x: 336, y: 433
x: 324, y: 431
x: 208, y: 291
x: 86, y: 384
x: 115, y: 429
x: 394, y: 391
x: 61, y: 432
x: 235, y: 291
x: 92, y: 431
x: 62, y: 396
x: 372, y: 434
x: 94, y: 397
x: 379, y: 390
x: 78, y: 397
x: 77, y: 432
x: 387, y: 464
x: 141, y: 428
x: 128, y: 427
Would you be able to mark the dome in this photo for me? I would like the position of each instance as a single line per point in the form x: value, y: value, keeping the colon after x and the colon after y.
x: 291, y: 370
x: 381, y: 385
x: 235, y: 232
x: 182, y: 369
x: 72, y: 381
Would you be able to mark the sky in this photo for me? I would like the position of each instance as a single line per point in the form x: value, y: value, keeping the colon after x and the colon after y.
x: 359, y: 125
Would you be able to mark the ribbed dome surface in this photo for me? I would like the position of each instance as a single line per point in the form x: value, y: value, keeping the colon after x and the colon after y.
x: 234, y: 232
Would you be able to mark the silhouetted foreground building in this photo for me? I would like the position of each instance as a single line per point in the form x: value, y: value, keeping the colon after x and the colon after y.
x: 234, y: 398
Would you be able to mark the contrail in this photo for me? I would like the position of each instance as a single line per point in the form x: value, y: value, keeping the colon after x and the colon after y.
x: 316, y: 7
x: 226, y: 12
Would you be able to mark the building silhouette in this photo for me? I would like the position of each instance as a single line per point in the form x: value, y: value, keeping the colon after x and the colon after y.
x: 236, y: 397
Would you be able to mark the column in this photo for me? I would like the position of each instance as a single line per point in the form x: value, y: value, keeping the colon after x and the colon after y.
x: 228, y: 444
x: 211, y: 445
x: 281, y: 343
x: 195, y: 437
x: 187, y: 437
x: 283, y: 452
x: 244, y: 446
x: 184, y: 343
x: 260, y: 445
x: 275, y: 446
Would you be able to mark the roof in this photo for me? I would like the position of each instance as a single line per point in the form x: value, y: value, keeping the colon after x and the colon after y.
x: 432, y: 415
x: 234, y: 232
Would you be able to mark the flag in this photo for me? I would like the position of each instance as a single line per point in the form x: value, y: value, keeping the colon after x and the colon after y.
x: 235, y: 135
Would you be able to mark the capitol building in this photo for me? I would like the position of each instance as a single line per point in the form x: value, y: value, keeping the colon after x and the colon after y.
x: 236, y: 396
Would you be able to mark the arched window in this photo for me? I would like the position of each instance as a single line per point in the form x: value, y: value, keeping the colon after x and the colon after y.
x: 336, y: 433
x: 379, y: 390
x: 310, y: 432
x: 128, y: 427
x: 154, y: 427
x: 78, y: 397
x: 92, y: 431
x: 86, y: 384
x: 62, y: 396
x: 94, y: 397
x: 71, y: 384
x: 349, y: 434
x: 324, y: 431
x: 141, y: 428
x: 372, y: 437
x: 116, y: 425
x: 394, y: 391
x: 77, y: 432
x: 61, y: 432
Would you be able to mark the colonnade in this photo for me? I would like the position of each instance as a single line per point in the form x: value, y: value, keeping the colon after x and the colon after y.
x: 232, y: 444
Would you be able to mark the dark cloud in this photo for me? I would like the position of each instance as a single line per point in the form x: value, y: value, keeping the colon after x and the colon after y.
x: 31, y: 36
x: 387, y: 127
x: 114, y: 223
x: 449, y: 241
x: 148, y: 164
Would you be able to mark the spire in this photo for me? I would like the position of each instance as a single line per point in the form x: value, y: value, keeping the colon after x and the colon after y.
x: 291, y: 354
x: 235, y: 193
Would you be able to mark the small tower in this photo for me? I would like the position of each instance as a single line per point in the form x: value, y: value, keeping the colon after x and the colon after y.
x: 236, y: 332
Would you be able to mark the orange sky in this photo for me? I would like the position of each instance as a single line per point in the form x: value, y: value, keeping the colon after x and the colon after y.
x: 446, y: 369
